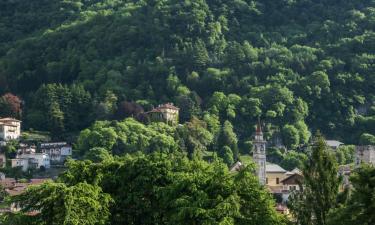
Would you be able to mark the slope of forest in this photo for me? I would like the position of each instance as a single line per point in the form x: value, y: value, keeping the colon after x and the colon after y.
x: 291, y: 63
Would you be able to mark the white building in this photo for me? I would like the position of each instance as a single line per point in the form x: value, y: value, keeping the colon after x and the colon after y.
x: 32, y: 161
x: 10, y: 129
x: 365, y: 154
x: 57, y: 151
x: 334, y: 144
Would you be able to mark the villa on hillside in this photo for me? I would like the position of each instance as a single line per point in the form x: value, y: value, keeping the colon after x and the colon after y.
x: 167, y: 113
x: 10, y: 129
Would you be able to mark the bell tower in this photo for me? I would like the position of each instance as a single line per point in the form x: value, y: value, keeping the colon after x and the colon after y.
x: 259, y: 154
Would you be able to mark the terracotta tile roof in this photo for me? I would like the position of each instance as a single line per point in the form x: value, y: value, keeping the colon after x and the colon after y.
x: 164, y: 106
x: 7, y: 182
x: 18, y: 188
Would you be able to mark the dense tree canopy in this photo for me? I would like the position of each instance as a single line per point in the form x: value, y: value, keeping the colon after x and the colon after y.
x: 288, y: 62
x: 150, y: 189
x: 360, y: 205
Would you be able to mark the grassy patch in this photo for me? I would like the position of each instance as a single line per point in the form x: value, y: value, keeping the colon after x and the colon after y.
x: 35, y: 136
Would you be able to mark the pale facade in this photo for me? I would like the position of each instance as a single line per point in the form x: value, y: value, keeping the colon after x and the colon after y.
x: 57, y: 151
x: 10, y: 129
x: 31, y: 161
x: 167, y: 113
x: 259, y: 155
x: 274, y: 175
x: 20, y: 162
x: 365, y: 154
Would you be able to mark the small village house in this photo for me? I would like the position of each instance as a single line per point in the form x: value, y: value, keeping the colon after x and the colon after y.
x: 31, y: 161
x: 57, y: 151
x: 274, y: 175
x: 291, y: 183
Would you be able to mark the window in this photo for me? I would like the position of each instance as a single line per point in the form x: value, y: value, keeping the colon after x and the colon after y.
x: 277, y: 180
x: 266, y: 180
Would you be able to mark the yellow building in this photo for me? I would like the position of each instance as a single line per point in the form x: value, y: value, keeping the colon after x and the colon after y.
x: 274, y: 175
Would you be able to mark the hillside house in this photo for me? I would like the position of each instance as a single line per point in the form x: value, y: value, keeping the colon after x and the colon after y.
x: 274, y: 175
x: 57, y: 151
x: 10, y: 129
x: 31, y: 161
x: 26, y: 149
x: 167, y: 113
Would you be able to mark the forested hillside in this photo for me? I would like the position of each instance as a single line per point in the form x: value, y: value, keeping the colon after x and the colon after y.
x: 295, y: 64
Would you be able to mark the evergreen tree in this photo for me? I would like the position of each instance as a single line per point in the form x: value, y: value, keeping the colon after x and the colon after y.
x: 319, y: 187
x: 227, y: 138
x: 359, y: 208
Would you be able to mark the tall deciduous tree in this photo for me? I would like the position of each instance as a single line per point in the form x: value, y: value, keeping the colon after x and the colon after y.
x: 227, y: 138
x: 56, y: 204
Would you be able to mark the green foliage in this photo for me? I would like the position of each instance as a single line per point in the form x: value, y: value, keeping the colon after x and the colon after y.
x: 128, y: 136
x: 367, y: 139
x: 196, y: 138
x: 58, y: 108
x: 345, y: 154
x: 3, y: 193
x: 286, y: 62
x: 227, y: 140
x: 320, y: 186
x: 293, y: 159
x: 227, y: 154
x: 360, y: 205
x: 171, y: 189
x: 59, y: 204
x: 98, y: 154
x: 10, y: 149
x: 290, y: 136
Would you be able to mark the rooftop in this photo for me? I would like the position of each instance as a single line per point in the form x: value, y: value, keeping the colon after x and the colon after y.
x: 334, y: 143
x: 274, y: 168
x: 164, y: 106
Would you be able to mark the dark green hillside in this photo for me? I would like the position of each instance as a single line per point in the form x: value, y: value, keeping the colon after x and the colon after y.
x: 289, y: 62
